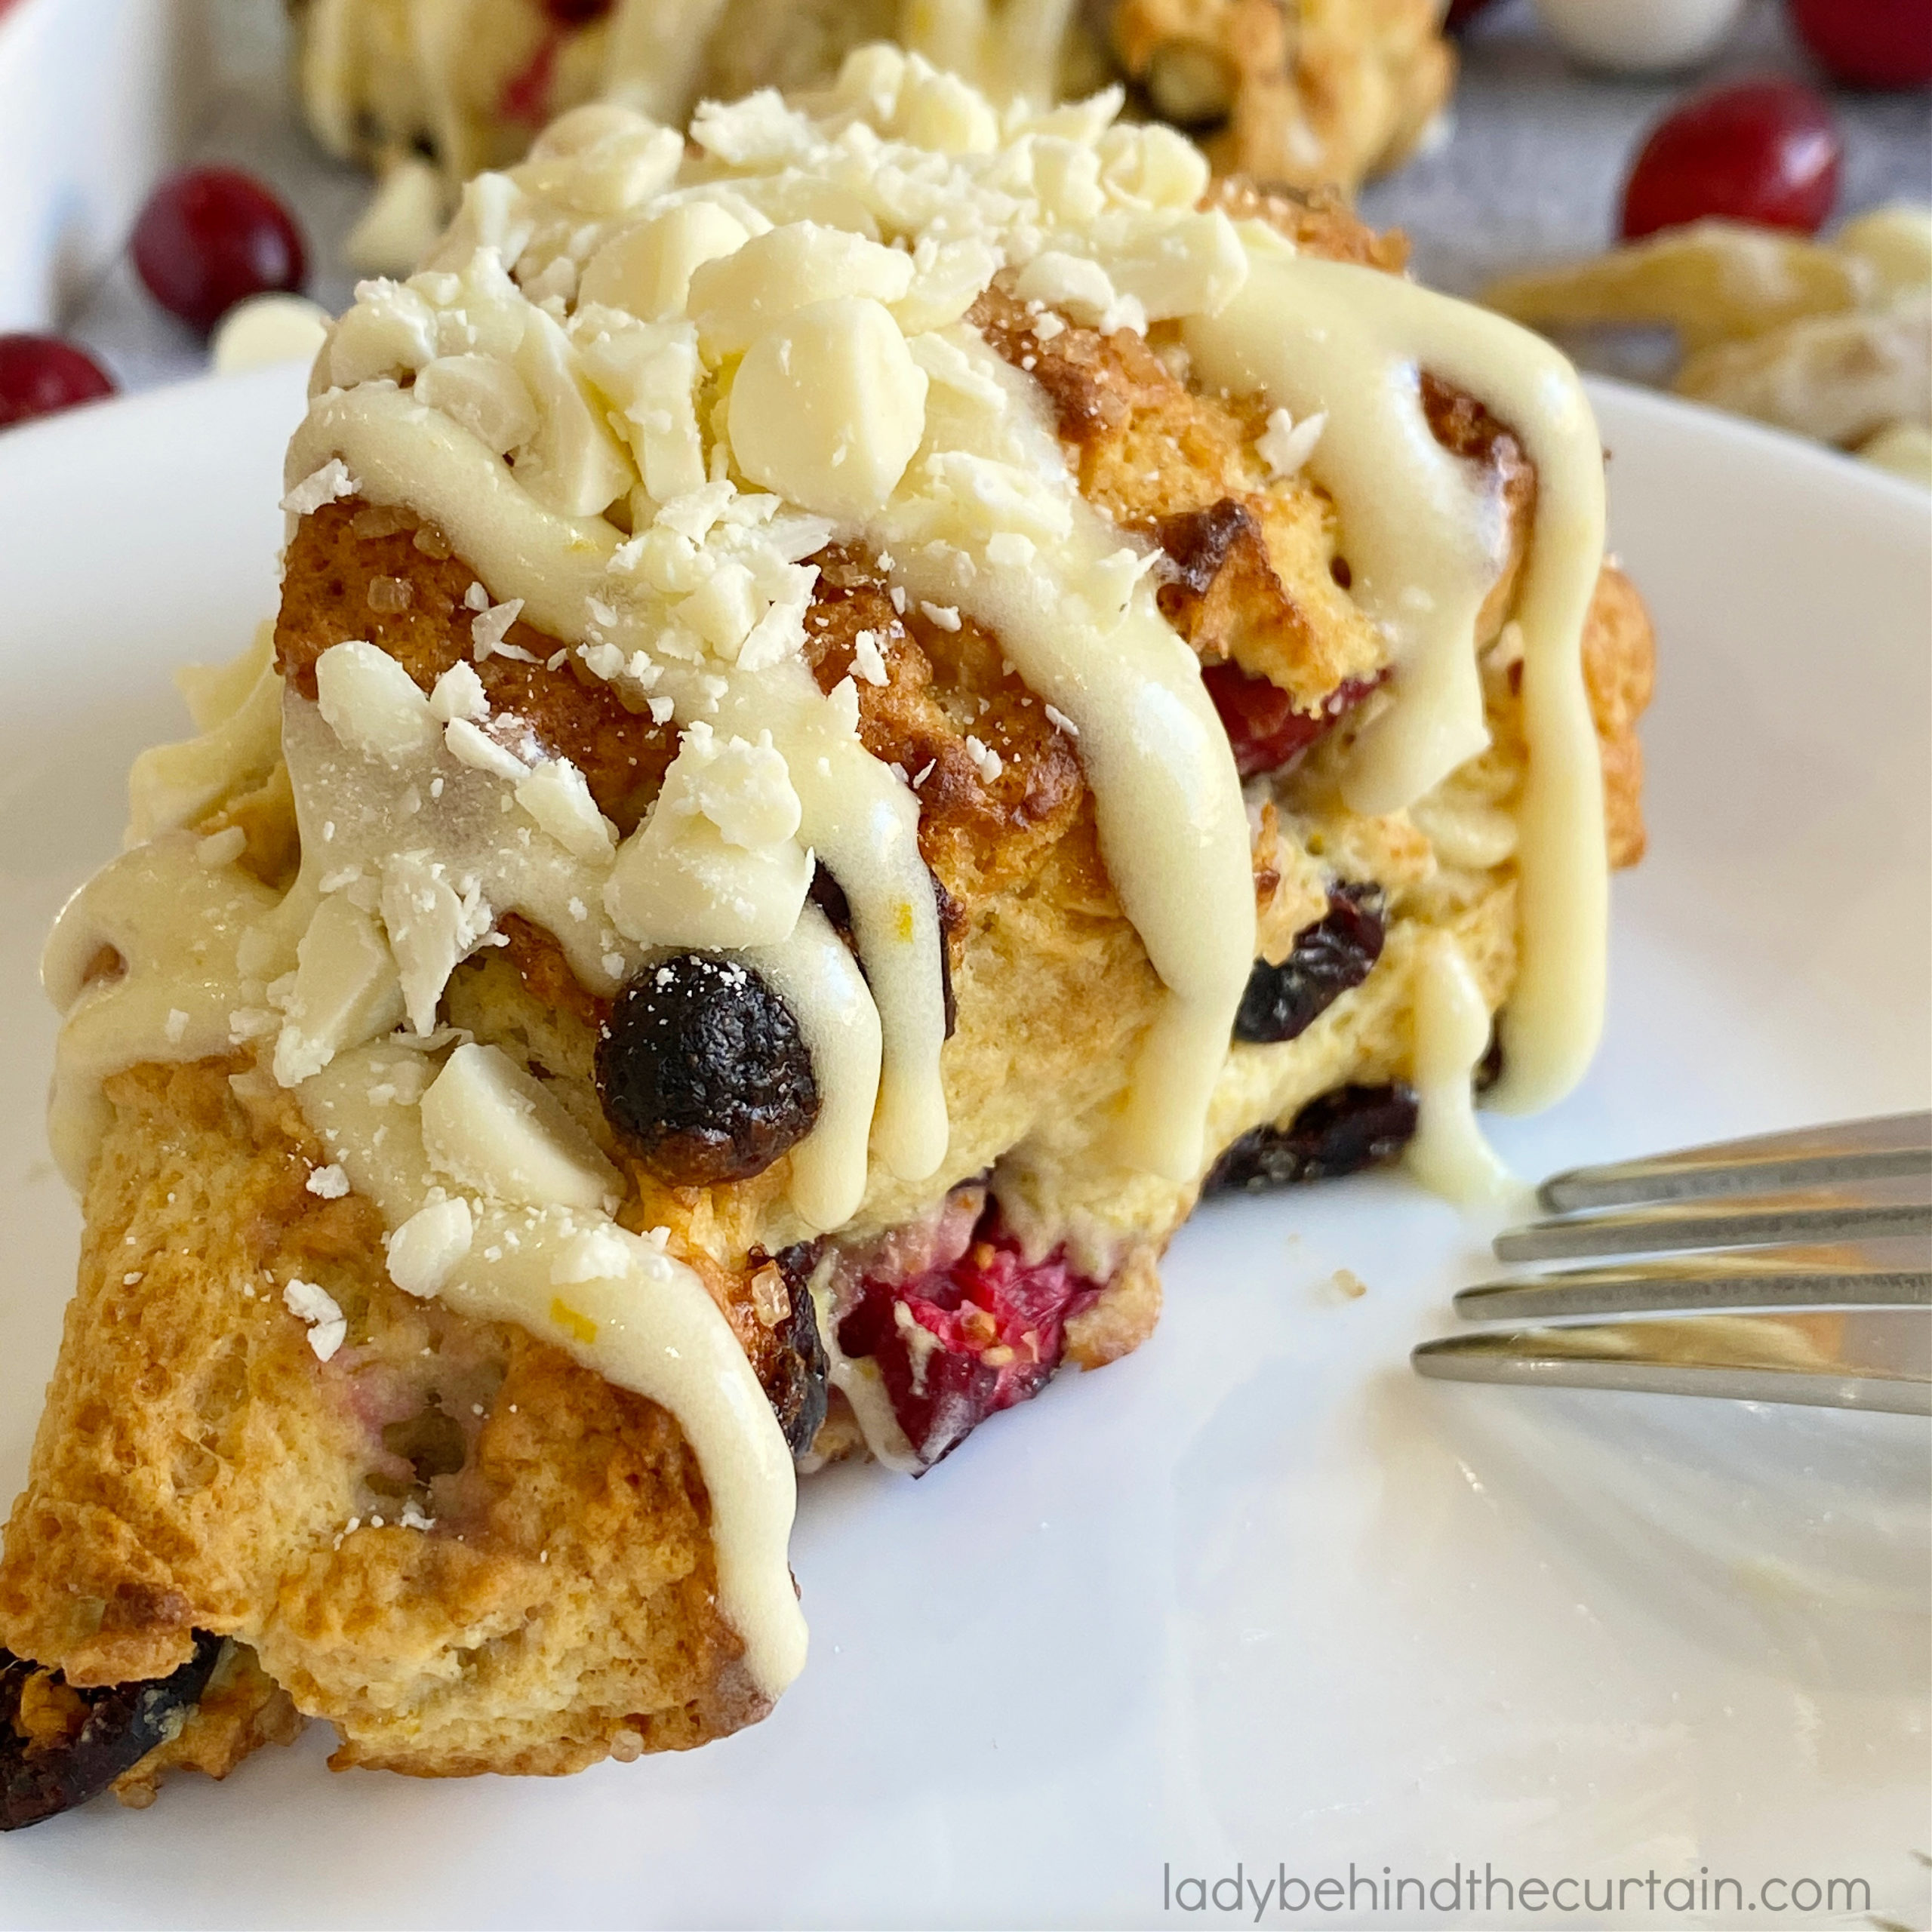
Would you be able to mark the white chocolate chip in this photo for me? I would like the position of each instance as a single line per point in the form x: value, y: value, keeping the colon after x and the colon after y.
x: 424, y: 1250
x: 736, y: 300
x: 829, y: 407
x: 372, y: 704
x: 490, y: 1127
x: 648, y: 269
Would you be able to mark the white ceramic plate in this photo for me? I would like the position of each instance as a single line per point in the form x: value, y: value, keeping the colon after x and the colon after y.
x: 1257, y: 1595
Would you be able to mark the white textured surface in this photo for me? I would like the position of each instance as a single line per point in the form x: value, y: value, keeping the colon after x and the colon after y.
x: 1257, y: 1594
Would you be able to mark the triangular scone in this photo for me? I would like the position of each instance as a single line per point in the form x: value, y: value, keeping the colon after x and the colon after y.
x: 858, y: 709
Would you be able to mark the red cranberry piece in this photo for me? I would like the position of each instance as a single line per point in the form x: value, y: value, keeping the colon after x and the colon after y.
x: 1261, y: 721
x: 211, y: 237
x: 1461, y: 12
x: 576, y: 13
x: 40, y: 374
x: 1766, y: 152
x: 978, y: 1335
x: 1869, y: 43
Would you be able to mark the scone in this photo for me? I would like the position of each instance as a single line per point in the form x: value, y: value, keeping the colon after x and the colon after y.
x: 861, y: 704
x: 1293, y: 93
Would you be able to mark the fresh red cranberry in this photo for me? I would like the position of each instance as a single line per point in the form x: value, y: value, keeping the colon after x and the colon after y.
x: 41, y: 374
x: 1869, y: 43
x: 976, y: 1335
x: 211, y: 237
x: 1766, y: 152
x: 1261, y: 721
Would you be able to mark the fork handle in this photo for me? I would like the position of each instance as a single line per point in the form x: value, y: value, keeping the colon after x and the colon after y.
x: 1873, y: 1274
x: 1703, y: 1225
x: 1875, y: 1359
x: 1849, y: 1150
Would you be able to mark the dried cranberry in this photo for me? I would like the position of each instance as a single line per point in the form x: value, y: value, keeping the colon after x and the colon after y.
x: 1262, y: 723
x: 1869, y: 43
x: 576, y: 13
x: 1766, y: 152
x: 976, y: 1335
x: 790, y: 1359
x: 1461, y: 12
x: 1331, y: 955
x: 41, y: 374
x: 703, y: 1071
x: 210, y: 238
x: 1339, y: 1133
x: 114, y: 1727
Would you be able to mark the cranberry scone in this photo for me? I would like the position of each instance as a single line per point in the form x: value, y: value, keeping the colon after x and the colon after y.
x: 864, y: 702
x: 1296, y: 93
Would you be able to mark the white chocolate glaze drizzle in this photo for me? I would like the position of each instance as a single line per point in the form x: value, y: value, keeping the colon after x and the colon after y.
x: 1449, y: 1154
x: 173, y: 922
x: 1350, y: 340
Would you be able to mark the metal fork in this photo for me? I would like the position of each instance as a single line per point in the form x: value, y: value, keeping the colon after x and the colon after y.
x: 1834, y: 1221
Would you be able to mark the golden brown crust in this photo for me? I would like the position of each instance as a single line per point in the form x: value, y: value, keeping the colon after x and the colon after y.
x: 197, y: 1468
x: 249, y: 1489
x: 1464, y: 427
x: 1124, y: 1315
x: 1161, y: 460
x: 1619, y: 666
x: 981, y: 837
x: 1316, y: 219
x: 356, y: 570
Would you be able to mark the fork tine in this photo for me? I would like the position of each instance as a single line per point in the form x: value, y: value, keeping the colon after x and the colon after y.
x: 1849, y: 1150
x: 1872, y: 1359
x: 1877, y: 1274
x: 1708, y: 1225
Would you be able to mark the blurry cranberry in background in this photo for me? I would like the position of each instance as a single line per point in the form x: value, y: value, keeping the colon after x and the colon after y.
x: 1766, y: 151
x: 576, y: 13
x: 1869, y: 43
x: 1461, y: 12
x: 209, y: 237
x: 40, y: 374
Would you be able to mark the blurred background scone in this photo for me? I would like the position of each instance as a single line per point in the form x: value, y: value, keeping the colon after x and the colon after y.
x: 428, y: 92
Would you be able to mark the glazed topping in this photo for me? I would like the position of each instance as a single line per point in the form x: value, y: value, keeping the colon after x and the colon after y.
x: 1423, y: 540
x: 1449, y: 1153
x: 639, y: 385
x: 703, y: 1071
x: 742, y: 353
